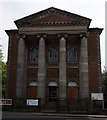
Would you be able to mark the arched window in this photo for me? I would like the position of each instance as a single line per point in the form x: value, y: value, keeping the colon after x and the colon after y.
x: 33, y: 54
x: 72, y: 91
x: 72, y: 54
x: 33, y: 83
x: 52, y: 91
x: 53, y: 55
x: 52, y: 84
x: 72, y: 84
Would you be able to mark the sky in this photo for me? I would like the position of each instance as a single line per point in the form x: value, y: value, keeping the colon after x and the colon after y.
x: 11, y: 10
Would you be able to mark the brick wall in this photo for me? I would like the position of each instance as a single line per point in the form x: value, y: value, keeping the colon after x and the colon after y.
x: 93, y: 64
x: 12, y: 69
x: 53, y: 73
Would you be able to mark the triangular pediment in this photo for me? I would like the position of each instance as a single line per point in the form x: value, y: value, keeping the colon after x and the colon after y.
x: 52, y: 16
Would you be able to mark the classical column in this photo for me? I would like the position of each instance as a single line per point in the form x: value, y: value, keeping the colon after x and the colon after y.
x: 62, y: 67
x: 84, y: 83
x: 20, y: 80
x: 41, y: 67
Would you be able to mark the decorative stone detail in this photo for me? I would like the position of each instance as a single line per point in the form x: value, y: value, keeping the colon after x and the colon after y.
x: 58, y: 17
x: 72, y: 80
x: 71, y: 75
x: 83, y: 34
x: 53, y: 80
x: 41, y: 35
x: 52, y: 75
x: 62, y: 35
x: 32, y: 76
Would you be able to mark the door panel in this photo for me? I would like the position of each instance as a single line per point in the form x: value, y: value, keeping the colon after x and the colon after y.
x: 72, y: 93
x: 33, y: 92
x: 52, y: 93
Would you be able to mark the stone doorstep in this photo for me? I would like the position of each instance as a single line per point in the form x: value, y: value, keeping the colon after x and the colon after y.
x: 70, y: 115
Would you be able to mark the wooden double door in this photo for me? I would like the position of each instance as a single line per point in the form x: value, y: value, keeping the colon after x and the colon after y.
x: 52, y: 93
x: 33, y: 92
x: 72, y: 93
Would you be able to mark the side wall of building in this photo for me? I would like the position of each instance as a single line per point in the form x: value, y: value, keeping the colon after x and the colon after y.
x: 12, y: 65
x: 93, y: 62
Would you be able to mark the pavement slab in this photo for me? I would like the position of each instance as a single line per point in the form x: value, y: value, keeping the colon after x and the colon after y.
x: 29, y: 114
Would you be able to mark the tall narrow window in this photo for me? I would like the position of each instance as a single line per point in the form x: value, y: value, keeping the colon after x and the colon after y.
x: 53, y: 55
x: 33, y: 54
x: 72, y: 54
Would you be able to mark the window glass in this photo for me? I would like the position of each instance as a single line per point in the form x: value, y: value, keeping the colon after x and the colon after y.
x: 72, y: 84
x: 53, y: 55
x: 72, y: 54
x: 52, y: 84
x: 34, y: 54
x: 33, y: 83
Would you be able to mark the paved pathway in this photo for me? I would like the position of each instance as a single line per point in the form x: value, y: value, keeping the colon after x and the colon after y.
x: 48, y: 116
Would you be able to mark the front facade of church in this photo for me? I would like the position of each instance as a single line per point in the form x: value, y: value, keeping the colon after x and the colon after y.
x: 54, y: 55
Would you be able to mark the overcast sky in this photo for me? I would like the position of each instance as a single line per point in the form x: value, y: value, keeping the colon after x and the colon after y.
x: 11, y: 10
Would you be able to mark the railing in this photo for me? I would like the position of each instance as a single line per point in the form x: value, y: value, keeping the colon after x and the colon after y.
x: 80, y: 106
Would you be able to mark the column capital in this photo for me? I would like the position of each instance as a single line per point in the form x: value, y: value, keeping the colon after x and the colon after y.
x: 83, y: 34
x: 21, y: 36
x: 41, y: 35
x: 62, y: 35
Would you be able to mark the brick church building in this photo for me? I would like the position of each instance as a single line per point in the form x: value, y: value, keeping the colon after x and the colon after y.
x: 54, y: 55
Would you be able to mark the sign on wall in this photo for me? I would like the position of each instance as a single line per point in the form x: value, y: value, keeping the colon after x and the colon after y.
x: 5, y: 101
x: 32, y: 102
x: 96, y: 96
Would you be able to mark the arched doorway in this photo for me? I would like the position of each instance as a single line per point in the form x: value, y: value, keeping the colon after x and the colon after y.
x: 33, y: 89
x: 52, y: 91
x: 72, y: 91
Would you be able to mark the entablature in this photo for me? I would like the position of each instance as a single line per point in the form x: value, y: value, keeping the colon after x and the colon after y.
x: 52, y: 30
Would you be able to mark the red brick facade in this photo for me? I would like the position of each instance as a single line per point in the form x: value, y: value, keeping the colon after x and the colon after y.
x: 12, y: 65
x: 93, y: 62
x: 52, y: 69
